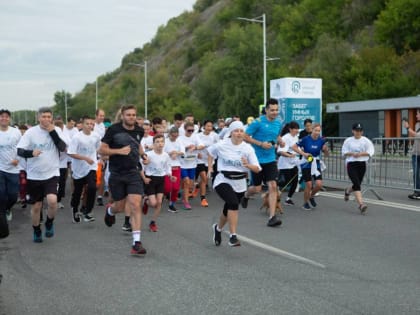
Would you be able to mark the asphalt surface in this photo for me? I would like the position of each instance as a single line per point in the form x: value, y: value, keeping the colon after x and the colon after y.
x: 332, y: 260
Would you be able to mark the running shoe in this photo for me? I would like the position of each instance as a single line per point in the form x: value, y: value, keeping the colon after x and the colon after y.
x: 313, y: 202
x: 217, y: 236
x: 9, y: 215
x: 204, y: 203
x: 100, y: 201
x: 195, y: 192
x: 109, y: 219
x: 289, y: 202
x: 60, y: 205
x: 244, y: 202
x: 346, y: 195
x: 306, y: 207
x: 172, y: 209
x: 87, y: 217
x: 415, y: 196
x: 363, y: 208
x: 76, y: 217
x: 187, y: 206
x: 127, y: 227
x: 49, y: 230
x: 37, y: 236
x: 274, y: 221
x: 138, y: 249
x: 233, y: 241
x: 145, y: 207
x: 153, y: 227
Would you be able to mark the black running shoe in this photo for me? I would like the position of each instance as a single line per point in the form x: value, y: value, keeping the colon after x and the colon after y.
x: 76, y: 217
x: 217, y: 236
x: 172, y: 209
x: 37, y: 236
x: 274, y: 221
x: 109, y: 219
x: 49, y: 230
x: 127, y: 227
x: 415, y: 196
x: 363, y: 208
x: 233, y: 241
x: 88, y: 217
x: 244, y: 202
x: 100, y: 201
x: 289, y: 202
x: 312, y: 202
x: 138, y: 249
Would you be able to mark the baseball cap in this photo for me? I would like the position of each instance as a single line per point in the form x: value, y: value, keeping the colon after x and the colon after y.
x: 357, y: 126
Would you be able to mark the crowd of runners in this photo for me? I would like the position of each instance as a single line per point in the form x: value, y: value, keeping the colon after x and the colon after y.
x: 135, y: 164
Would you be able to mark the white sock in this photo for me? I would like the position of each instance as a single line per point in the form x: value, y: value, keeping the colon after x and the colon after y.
x: 110, y: 212
x: 218, y: 229
x: 136, y: 236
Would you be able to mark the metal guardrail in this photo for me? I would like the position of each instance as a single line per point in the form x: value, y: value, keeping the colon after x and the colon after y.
x: 390, y: 167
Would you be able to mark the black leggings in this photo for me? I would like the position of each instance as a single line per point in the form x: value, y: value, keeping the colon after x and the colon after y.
x: 90, y: 181
x: 288, y: 176
x: 229, y: 196
x: 356, y: 172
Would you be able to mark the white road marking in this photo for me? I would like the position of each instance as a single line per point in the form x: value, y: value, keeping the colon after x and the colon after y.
x: 399, y: 206
x: 280, y: 252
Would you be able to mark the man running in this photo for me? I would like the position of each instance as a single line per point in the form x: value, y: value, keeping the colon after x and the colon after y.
x: 122, y: 144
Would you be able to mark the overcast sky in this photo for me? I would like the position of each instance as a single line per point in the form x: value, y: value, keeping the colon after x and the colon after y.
x: 50, y: 45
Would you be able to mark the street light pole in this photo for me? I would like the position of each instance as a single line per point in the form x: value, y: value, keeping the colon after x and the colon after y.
x: 96, y: 97
x: 144, y: 65
x: 261, y: 19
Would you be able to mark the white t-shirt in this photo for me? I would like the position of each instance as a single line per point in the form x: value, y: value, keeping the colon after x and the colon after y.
x: 229, y: 159
x: 206, y: 140
x: 64, y: 158
x: 285, y: 162
x: 171, y: 146
x: 159, y: 165
x: 8, y: 152
x: 85, y: 145
x: 70, y: 133
x: 147, y: 143
x: 362, y: 144
x: 190, y: 158
x: 100, y: 129
x: 47, y: 164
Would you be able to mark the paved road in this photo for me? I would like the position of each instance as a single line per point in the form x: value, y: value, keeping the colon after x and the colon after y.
x: 329, y: 261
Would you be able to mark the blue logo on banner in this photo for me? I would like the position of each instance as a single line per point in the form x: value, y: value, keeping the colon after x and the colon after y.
x: 295, y: 87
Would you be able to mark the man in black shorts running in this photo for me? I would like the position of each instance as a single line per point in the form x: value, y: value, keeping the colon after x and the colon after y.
x: 122, y: 144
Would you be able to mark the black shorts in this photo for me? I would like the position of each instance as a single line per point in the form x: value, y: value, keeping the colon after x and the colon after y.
x: 201, y: 168
x: 268, y: 173
x: 307, y: 177
x: 156, y: 185
x: 38, y: 189
x: 125, y: 184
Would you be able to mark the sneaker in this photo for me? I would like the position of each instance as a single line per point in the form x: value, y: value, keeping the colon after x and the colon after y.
x: 109, y: 219
x: 415, y: 196
x: 187, y: 206
x: 100, y: 201
x: 9, y: 215
x: 106, y: 193
x: 195, y: 192
x: 38, y: 236
x: 289, y: 202
x: 346, y: 195
x: 153, y: 227
x: 274, y: 221
x: 145, y: 208
x: 49, y: 230
x: 127, y: 227
x: 204, y: 203
x: 306, y: 207
x: 138, y: 249
x: 76, y: 217
x: 60, y: 205
x: 172, y: 209
x: 313, y: 202
x: 217, y: 236
x: 233, y: 241
x: 363, y: 208
x: 244, y: 202
x: 88, y: 217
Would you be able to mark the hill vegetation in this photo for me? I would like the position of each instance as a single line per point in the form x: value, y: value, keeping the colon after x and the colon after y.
x: 208, y: 62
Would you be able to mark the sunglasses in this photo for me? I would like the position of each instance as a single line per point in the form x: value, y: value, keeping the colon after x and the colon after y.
x: 190, y: 130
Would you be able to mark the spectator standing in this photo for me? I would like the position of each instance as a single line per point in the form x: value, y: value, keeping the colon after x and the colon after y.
x: 415, y: 155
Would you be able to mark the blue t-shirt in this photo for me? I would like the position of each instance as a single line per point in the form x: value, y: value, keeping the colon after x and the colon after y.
x: 311, y: 146
x: 264, y: 130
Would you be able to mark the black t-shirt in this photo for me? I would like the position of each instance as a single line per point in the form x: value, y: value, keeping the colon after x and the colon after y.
x: 117, y: 137
x: 303, y: 133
